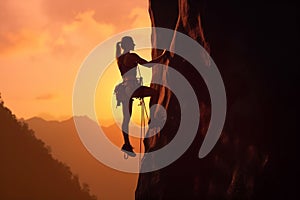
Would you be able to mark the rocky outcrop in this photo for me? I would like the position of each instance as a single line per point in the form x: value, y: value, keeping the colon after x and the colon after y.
x: 233, y: 169
x: 183, y: 178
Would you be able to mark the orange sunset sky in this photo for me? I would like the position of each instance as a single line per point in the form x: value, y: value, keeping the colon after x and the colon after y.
x: 44, y: 42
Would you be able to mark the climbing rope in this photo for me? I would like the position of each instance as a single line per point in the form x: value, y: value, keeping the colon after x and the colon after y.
x: 143, y: 120
x: 143, y: 126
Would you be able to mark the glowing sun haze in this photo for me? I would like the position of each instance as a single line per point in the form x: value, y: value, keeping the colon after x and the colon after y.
x: 44, y: 42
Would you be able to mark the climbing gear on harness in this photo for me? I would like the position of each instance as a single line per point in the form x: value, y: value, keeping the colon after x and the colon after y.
x: 126, y: 88
x: 120, y: 93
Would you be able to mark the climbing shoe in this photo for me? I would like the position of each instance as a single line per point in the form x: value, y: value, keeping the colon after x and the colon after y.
x: 128, y: 149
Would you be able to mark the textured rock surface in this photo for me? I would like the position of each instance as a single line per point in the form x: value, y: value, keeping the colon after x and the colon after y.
x: 183, y: 16
x: 243, y: 163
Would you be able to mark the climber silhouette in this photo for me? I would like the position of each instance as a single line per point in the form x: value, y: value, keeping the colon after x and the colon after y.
x: 125, y: 91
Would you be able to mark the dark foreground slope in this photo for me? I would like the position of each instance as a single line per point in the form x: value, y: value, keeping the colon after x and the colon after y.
x: 27, y: 170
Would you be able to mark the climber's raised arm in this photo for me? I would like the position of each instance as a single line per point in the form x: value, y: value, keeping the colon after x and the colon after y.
x: 156, y: 60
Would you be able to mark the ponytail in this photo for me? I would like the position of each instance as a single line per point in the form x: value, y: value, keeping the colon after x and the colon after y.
x: 118, y: 50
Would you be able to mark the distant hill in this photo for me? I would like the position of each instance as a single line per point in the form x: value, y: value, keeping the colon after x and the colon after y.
x: 66, y: 146
x: 27, y: 169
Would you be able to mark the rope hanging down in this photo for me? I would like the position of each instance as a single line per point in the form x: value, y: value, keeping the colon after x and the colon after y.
x: 143, y: 120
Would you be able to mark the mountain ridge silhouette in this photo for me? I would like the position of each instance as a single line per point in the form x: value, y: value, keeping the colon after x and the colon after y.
x: 64, y: 141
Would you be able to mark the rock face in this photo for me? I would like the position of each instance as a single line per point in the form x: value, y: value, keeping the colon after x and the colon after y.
x: 235, y: 169
x: 183, y: 179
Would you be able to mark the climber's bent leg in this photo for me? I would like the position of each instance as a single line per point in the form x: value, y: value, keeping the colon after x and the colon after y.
x: 127, y: 110
x: 144, y: 91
